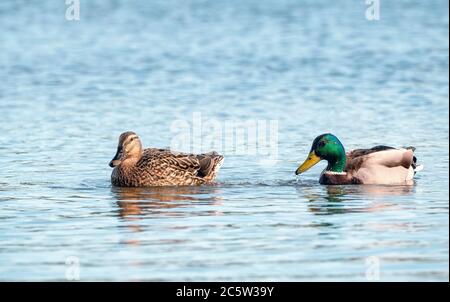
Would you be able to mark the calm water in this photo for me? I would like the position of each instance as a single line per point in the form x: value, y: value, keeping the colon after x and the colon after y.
x: 68, y: 89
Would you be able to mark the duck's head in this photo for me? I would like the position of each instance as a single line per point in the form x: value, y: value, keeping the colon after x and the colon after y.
x: 327, y: 147
x: 130, y: 146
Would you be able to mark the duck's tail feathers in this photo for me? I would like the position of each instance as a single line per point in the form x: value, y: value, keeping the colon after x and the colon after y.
x: 210, y: 164
x: 417, y: 167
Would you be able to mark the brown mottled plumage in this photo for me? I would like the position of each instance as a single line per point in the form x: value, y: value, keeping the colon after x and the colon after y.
x: 134, y: 167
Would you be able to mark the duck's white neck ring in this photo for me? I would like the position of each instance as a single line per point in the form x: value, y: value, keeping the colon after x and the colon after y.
x: 335, y: 173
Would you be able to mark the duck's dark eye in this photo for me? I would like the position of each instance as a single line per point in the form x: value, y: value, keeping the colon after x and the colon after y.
x: 321, y: 144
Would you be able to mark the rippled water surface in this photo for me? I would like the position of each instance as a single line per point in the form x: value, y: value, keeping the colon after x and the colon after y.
x: 68, y: 89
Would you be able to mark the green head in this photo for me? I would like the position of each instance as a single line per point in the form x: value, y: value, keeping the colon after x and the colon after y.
x: 327, y: 147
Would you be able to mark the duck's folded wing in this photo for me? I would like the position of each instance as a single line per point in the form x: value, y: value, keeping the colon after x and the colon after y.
x: 167, y: 161
x: 381, y: 155
x: 362, y: 152
x: 197, y: 165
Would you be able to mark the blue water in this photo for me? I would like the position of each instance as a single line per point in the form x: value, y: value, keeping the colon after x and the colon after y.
x: 69, y: 88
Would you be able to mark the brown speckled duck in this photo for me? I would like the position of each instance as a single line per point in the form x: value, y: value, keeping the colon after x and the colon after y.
x: 378, y: 165
x: 135, y: 167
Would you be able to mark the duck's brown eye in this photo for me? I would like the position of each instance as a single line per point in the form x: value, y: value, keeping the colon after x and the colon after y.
x: 321, y: 144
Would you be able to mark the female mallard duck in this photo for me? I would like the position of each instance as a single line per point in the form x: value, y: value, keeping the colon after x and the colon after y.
x: 378, y: 165
x: 134, y: 167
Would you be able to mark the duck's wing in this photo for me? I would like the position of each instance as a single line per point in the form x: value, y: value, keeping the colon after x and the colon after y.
x: 362, y: 152
x: 182, y: 164
x: 381, y: 164
x: 165, y: 161
x: 381, y: 155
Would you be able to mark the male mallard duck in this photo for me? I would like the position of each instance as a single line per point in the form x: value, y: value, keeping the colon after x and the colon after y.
x: 378, y: 165
x: 134, y: 167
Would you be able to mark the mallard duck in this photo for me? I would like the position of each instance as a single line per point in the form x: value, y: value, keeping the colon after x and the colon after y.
x: 135, y: 167
x: 378, y: 165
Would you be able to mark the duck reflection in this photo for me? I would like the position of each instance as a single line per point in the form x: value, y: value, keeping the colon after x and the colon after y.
x: 134, y: 203
x: 137, y: 204
x: 329, y: 200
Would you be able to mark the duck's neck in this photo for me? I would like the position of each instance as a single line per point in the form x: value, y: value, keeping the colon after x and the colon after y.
x: 129, y: 162
x: 337, y: 163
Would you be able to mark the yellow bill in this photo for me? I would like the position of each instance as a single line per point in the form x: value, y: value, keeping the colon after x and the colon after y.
x: 309, y: 162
